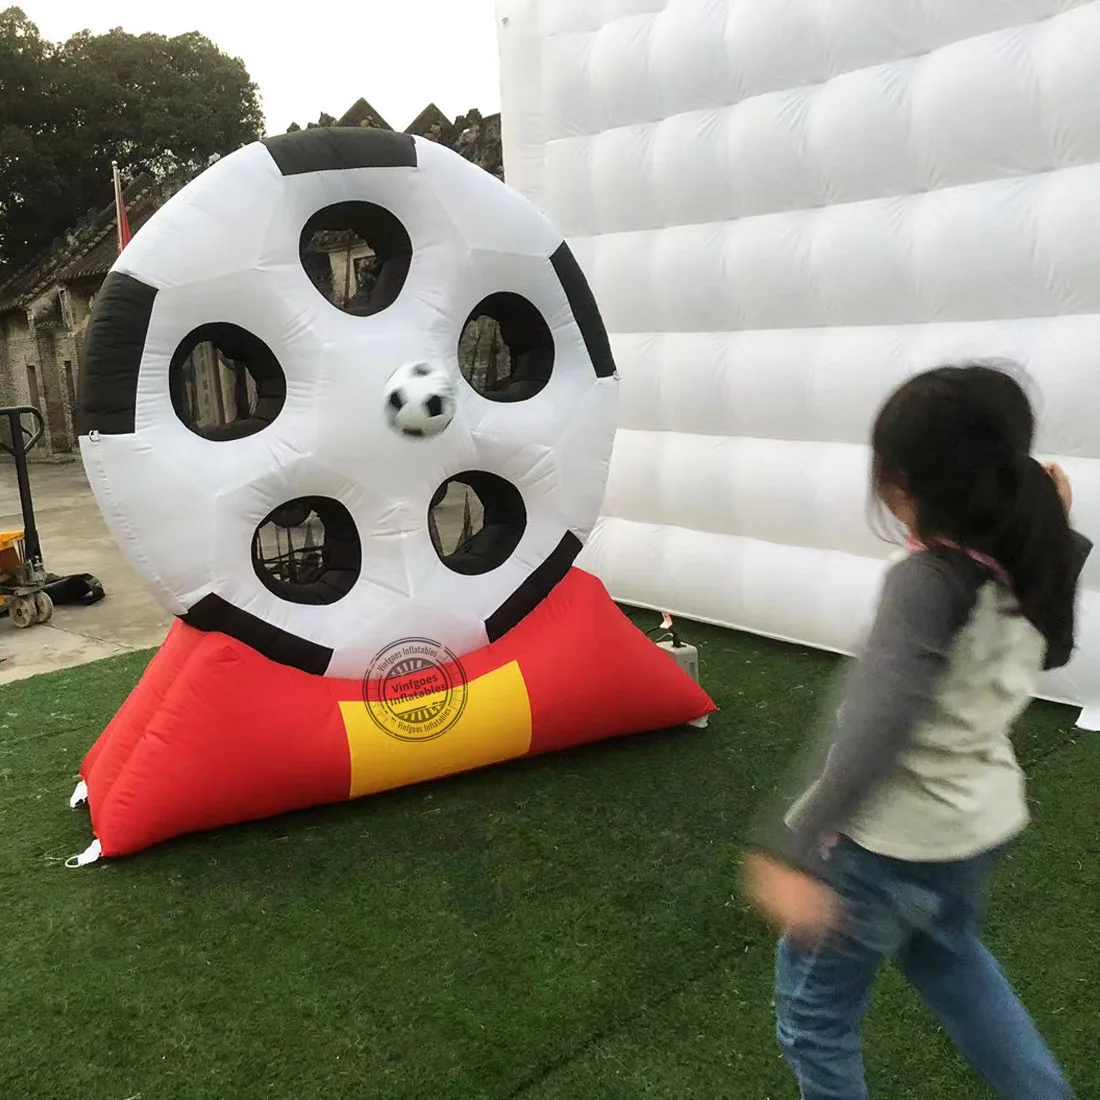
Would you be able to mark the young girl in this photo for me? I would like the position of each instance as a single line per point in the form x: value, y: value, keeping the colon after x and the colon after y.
x: 888, y: 854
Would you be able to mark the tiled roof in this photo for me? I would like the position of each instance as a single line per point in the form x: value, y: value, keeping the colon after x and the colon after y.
x: 89, y: 250
x: 361, y: 113
x: 429, y: 117
x: 103, y: 252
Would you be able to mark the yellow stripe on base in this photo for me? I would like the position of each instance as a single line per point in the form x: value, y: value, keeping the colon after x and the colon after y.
x: 494, y: 725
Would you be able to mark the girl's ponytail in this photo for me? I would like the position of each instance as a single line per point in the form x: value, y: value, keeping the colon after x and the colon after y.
x: 1035, y: 545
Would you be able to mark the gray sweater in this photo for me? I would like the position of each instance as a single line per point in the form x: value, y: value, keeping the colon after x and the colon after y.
x: 921, y: 766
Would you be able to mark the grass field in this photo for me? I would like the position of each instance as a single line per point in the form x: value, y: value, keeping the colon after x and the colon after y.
x: 559, y: 928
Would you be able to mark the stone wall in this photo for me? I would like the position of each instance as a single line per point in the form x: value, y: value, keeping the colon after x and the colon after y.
x: 213, y: 391
x: 40, y: 368
x: 479, y: 141
x: 483, y: 357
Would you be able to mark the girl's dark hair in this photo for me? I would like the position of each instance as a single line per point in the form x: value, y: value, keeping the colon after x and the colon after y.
x: 957, y: 441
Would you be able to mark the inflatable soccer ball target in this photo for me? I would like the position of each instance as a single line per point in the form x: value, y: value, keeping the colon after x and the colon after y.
x: 384, y: 653
x: 221, y: 262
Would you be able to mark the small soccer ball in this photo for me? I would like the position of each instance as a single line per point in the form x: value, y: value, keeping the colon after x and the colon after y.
x: 420, y: 400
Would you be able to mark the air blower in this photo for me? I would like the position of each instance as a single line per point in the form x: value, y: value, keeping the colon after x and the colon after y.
x: 685, y: 655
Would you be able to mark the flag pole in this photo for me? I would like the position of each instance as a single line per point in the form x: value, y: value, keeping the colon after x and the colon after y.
x: 122, y: 225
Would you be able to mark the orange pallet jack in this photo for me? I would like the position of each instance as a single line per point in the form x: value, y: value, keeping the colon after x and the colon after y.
x: 23, y: 576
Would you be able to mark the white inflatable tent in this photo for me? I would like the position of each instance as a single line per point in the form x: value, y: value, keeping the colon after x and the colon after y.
x: 786, y: 207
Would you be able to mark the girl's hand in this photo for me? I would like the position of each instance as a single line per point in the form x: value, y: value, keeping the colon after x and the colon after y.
x: 1061, y: 483
x: 799, y: 905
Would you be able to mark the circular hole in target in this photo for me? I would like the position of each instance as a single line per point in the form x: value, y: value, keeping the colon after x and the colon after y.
x: 506, y: 349
x: 476, y: 520
x: 225, y: 382
x: 308, y: 551
x: 357, y: 254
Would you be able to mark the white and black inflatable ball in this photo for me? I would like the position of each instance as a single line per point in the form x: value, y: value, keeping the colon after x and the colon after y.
x: 420, y: 399
x: 360, y: 416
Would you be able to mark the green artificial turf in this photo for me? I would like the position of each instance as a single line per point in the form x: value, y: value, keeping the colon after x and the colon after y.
x: 567, y: 927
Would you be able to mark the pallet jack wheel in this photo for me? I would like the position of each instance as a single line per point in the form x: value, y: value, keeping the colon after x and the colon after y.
x: 23, y: 611
x: 43, y: 607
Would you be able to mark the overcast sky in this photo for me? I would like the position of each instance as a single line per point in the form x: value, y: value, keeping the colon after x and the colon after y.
x: 312, y: 57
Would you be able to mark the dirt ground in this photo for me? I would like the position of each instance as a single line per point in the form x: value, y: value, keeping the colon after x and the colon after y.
x: 75, y: 540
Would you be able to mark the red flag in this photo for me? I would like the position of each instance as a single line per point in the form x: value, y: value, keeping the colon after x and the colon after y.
x: 120, y: 211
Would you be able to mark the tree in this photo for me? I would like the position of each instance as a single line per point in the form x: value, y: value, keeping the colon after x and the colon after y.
x: 26, y: 98
x: 153, y: 103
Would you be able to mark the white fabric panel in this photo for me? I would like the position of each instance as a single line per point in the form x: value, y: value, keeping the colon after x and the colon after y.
x: 522, y: 132
x: 785, y: 208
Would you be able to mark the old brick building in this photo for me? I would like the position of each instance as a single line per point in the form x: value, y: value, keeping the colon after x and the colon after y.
x: 44, y: 308
x: 44, y: 312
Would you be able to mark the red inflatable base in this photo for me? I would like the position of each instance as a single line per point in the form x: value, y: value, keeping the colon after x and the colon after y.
x: 216, y: 734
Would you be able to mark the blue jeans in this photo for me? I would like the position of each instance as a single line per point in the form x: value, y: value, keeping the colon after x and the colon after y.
x: 925, y: 917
